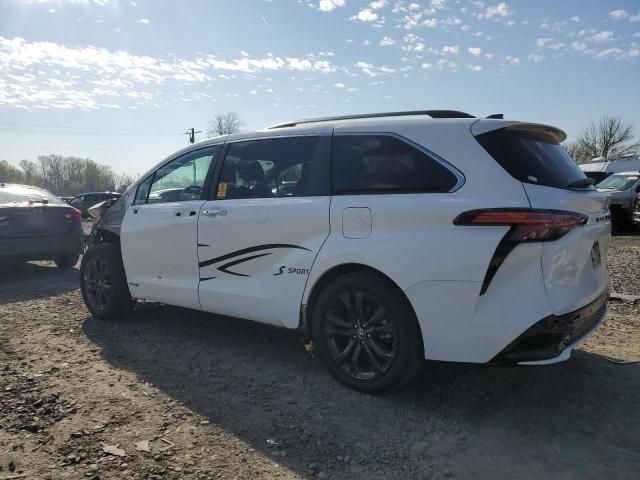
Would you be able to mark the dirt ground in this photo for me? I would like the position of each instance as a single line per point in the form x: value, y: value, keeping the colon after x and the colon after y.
x: 170, y: 393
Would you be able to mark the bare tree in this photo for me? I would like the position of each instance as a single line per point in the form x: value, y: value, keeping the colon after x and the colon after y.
x: 30, y: 174
x: 225, y: 124
x: 9, y: 173
x: 609, y: 137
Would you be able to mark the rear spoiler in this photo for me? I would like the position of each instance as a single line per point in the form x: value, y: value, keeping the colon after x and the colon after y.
x: 483, y: 125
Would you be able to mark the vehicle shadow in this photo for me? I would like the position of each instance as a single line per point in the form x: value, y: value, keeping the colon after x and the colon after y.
x: 258, y: 383
x: 25, y: 281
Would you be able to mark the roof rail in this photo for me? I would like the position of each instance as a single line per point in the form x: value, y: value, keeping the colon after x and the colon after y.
x: 430, y: 113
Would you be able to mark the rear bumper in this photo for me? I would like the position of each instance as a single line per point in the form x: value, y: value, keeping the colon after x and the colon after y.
x: 551, y: 339
x: 43, y: 247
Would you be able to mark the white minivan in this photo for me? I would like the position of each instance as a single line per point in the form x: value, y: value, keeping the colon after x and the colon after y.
x: 386, y: 238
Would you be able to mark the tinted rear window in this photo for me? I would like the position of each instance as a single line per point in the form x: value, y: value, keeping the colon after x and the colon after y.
x: 531, y: 157
x: 382, y: 163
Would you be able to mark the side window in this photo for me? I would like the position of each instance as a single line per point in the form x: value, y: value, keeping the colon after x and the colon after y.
x: 143, y: 191
x: 379, y: 163
x: 180, y: 180
x: 76, y: 201
x: 276, y: 167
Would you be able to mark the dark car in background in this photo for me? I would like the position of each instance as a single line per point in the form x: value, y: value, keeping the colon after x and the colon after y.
x: 85, y: 201
x: 37, y: 225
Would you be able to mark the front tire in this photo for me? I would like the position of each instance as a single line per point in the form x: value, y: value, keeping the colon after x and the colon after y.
x: 103, y: 282
x: 366, y: 333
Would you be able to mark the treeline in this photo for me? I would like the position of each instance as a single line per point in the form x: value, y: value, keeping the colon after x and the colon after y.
x: 66, y: 176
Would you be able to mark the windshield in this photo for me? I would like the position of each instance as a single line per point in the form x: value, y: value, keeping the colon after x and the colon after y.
x: 618, y: 182
x: 18, y: 195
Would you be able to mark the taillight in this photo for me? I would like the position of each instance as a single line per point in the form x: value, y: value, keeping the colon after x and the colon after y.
x: 527, y: 224
x: 76, y: 214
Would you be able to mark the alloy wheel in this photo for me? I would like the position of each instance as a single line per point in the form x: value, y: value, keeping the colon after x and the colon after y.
x: 98, y: 283
x: 361, y: 335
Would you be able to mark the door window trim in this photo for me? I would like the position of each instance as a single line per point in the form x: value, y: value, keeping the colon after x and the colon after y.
x: 461, y: 179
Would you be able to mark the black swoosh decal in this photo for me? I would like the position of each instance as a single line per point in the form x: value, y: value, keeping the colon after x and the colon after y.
x: 203, y: 245
x: 223, y: 268
x: 249, y: 250
x: 206, y: 278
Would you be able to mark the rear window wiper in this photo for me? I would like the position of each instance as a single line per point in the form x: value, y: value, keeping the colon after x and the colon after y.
x: 582, y: 183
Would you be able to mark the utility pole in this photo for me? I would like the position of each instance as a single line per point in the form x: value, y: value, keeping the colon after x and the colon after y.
x: 192, y: 134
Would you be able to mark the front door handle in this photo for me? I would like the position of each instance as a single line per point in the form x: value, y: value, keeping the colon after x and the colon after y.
x: 215, y: 212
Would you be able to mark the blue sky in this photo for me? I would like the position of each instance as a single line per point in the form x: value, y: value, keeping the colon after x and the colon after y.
x: 119, y: 80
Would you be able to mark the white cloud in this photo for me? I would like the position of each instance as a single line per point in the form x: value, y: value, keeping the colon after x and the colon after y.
x: 632, y: 53
x: 609, y: 52
x: 575, y: 19
x: 438, y: 4
x: 542, y: 41
x: 145, y: 21
x: 500, y: 10
x: 453, y: 49
x: 387, y: 41
x: 366, y: 16
x: 378, y: 4
x: 618, y: 14
x: 475, y: 68
x: 329, y: 5
x: 475, y: 51
x: 430, y: 22
x: 635, y: 18
x: 603, y: 36
x: 579, y: 46
x: 100, y: 3
x: 103, y: 78
x: 339, y: 85
x: 371, y: 70
x: 536, y: 57
x: 513, y: 60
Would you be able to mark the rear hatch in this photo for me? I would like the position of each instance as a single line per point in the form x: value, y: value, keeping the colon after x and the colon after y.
x: 27, y: 212
x: 574, y: 268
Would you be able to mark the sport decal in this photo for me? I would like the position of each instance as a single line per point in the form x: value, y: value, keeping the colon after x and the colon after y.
x: 235, y: 261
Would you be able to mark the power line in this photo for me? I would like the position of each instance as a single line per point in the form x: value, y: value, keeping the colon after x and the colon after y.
x: 53, y: 148
x: 70, y: 127
x: 88, y: 134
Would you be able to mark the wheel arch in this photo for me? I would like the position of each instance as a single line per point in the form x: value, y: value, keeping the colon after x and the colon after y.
x: 336, y: 271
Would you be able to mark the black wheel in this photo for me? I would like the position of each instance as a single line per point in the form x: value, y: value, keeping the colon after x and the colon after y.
x: 67, y: 261
x: 103, y: 282
x: 366, y: 333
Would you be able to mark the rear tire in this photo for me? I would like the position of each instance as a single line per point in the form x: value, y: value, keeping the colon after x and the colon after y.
x: 67, y: 261
x: 366, y: 333
x: 103, y: 282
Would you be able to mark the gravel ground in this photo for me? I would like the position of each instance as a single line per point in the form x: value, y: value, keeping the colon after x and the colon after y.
x: 170, y: 393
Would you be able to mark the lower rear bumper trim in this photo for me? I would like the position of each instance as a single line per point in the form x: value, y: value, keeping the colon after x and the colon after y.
x: 553, y: 337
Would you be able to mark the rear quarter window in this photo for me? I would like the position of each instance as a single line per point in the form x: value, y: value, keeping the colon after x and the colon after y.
x: 385, y: 164
x: 531, y: 157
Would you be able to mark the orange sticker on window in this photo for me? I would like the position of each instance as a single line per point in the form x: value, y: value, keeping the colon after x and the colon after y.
x: 222, y: 189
